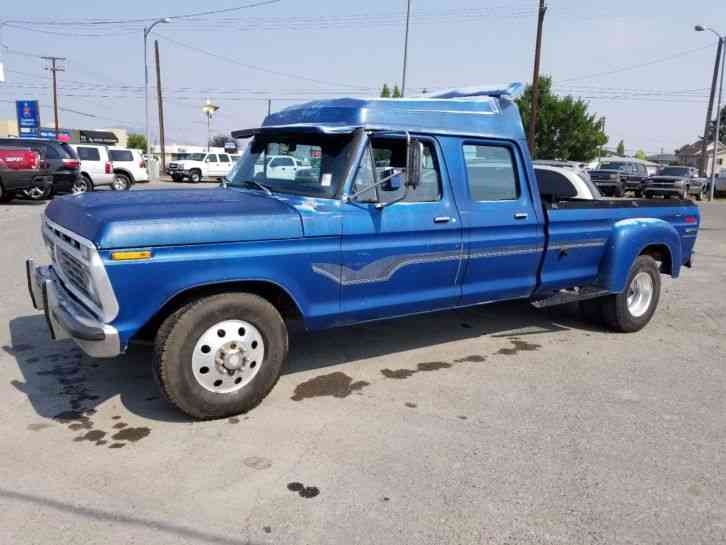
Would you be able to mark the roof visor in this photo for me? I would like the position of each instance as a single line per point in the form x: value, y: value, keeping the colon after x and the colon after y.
x: 507, y: 91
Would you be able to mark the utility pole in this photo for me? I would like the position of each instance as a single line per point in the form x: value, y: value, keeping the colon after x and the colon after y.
x: 709, y: 110
x: 405, y: 49
x: 269, y: 106
x: 535, y: 78
x: 717, y: 135
x: 162, y: 144
x: 55, y: 66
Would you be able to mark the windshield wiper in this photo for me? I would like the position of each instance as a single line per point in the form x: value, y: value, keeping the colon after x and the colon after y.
x: 263, y: 187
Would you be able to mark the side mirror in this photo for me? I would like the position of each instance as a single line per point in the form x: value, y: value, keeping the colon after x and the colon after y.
x: 414, y: 165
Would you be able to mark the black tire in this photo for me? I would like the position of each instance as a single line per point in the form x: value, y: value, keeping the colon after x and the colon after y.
x: 620, y: 191
x: 591, y: 311
x: 176, y: 178
x: 637, y: 194
x: 5, y: 196
x: 179, y: 334
x: 82, y: 185
x: 195, y: 176
x: 121, y: 182
x: 615, y: 311
x: 37, y: 194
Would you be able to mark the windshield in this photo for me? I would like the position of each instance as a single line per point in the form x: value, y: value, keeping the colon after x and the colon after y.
x: 674, y: 171
x: 197, y: 156
x: 303, y: 164
x: 614, y: 166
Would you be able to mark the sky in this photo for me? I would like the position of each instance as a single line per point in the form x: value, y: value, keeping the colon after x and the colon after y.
x: 638, y: 63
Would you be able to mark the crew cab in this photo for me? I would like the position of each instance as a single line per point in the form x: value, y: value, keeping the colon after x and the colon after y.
x: 200, y: 166
x: 412, y: 205
x: 677, y: 181
x: 22, y: 173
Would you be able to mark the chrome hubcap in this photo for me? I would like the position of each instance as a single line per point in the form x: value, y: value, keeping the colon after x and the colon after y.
x: 228, y: 356
x: 119, y: 184
x: 640, y: 294
x: 80, y: 187
x: 35, y: 193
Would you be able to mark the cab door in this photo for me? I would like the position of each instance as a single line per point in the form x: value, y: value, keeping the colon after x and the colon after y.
x: 211, y: 165
x: 402, y: 258
x: 503, y: 232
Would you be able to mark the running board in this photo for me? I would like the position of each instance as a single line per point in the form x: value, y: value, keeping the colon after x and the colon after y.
x: 563, y: 297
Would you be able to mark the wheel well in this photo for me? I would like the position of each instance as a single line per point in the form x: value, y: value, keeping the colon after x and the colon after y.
x: 124, y: 172
x: 274, y: 294
x: 662, y: 255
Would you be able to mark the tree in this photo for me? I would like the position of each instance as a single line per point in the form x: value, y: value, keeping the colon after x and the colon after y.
x: 565, y: 129
x: 621, y: 149
x: 386, y: 91
x: 396, y: 92
x: 640, y: 154
x: 136, y: 141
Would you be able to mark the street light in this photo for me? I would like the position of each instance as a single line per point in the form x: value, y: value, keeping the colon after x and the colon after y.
x: 209, y: 110
x: 147, y: 31
x: 720, y: 60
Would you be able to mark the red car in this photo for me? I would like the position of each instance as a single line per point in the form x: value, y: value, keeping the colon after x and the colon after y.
x: 22, y: 173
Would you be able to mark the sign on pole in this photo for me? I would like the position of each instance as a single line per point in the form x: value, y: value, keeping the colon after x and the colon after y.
x: 28, y: 118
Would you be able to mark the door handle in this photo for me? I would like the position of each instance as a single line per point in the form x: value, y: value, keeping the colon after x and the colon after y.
x: 442, y: 219
x: 521, y: 216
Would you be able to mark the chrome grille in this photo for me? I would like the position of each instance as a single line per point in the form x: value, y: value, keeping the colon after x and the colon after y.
x: 75, y: 271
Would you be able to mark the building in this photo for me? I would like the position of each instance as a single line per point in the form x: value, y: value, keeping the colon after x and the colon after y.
x: 108, y: 137
x: 690, y: 155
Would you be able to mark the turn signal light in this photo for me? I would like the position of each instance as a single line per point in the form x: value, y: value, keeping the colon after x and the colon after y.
x: 131, y: 256
x: 690, y: 219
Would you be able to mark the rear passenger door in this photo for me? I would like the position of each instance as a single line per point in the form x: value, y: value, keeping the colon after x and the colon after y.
x: 211, y: 165
x: 224, y: 164
x: 503, y: 235
x: 91, y: 162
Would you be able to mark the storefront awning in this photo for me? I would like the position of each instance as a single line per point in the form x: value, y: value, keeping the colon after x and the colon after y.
x: 98, y: 137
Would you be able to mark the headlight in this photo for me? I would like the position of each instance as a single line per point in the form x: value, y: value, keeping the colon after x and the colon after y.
x: 679, y: 182
x: 613, y: 176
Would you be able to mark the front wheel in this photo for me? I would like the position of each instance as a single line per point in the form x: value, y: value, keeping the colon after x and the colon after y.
x: 221, y: 355
x: 82, y: 185
x: 195, y: 176
x: 121, y: 182
x: 5, y: 196
x: 620, y: 191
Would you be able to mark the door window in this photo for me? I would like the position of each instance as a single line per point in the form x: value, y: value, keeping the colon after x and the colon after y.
x: 121, y: 155
x: 224, y: 158
x: 211, y: 159
x: 390, y: 156
x: 88, y: 154
x: 553, y: 186
x: 491, y: 173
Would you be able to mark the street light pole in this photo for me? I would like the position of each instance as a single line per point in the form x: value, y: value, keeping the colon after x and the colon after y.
x: 720, y: 63
x: 209, y: 110
x: 717, y: 137
x: 147, y: 31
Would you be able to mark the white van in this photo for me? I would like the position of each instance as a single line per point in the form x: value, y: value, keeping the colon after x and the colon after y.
x: 96, y: 168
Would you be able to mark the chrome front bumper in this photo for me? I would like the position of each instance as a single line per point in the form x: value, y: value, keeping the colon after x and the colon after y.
x: 66, y: 317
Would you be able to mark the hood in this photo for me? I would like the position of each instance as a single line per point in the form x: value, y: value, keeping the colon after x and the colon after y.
x: 133, y: 219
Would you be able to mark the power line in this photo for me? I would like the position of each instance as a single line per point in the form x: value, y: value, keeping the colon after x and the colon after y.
x: 639, y: 65
x: 258, y: 68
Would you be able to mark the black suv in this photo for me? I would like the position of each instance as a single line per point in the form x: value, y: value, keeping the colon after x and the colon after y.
x: 58, y: 157
x: 632, y: 175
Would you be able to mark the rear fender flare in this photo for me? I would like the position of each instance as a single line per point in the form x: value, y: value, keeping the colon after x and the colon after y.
x: 629, y: 239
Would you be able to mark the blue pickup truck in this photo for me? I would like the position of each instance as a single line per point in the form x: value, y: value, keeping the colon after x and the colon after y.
x: 404, y: 206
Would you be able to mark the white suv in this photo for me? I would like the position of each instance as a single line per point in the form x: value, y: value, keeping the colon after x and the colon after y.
x: 96, y: 168
x: 199, y: 166
x: 129, y: 164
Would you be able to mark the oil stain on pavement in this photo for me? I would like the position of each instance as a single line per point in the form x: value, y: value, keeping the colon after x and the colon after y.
x: 302, y: 490
x: 518, y: 346
x: 334, y: 384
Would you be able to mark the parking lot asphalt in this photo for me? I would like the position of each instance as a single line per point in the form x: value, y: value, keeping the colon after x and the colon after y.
x: 497, y: 424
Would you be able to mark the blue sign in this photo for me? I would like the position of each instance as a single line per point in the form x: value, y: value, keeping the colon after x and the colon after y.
x: 28, y: 117
x: 63, y: 134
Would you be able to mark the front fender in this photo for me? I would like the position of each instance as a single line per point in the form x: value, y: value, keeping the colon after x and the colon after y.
x: 628, y: 240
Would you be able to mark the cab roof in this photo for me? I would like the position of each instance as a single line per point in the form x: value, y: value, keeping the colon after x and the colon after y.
x: 487, y: 111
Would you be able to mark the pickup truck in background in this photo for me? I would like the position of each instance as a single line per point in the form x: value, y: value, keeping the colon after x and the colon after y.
x: 22, y: 174
x: 200, y: 166
x: 412, y: 205
x: 679, y: 182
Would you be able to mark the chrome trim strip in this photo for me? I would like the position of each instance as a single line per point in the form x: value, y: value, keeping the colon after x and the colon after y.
x: 578, y: 244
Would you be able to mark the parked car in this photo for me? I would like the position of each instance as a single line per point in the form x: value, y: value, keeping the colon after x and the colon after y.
x: 97, y: 169
x: 579, y: 168
x: 129, y: 167
x: 562, y: 184
x: 455, y: 219
x: 719, y: 188
x: 61, y: 160
x: 610, y: 182
x: 676, y: 181
x: 200, y: 166
x: 22, y: 173
x: 632, y: 174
